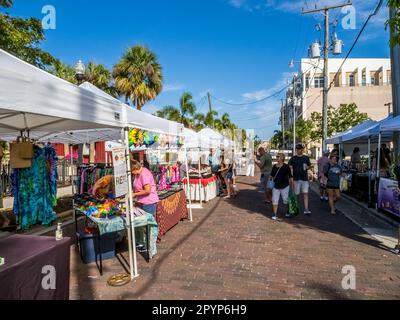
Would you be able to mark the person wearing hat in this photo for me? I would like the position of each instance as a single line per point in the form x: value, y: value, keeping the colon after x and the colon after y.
x: 300, y: 164
x: 322, y: 163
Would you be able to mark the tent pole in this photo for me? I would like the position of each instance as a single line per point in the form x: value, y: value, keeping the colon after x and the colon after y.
x: 72, y: 164
x: 200, y: 181
x: 369, y: 171
x: 378, y: 161
x: 188, y: 185
x: 129, y: 209
x: 378, y: 166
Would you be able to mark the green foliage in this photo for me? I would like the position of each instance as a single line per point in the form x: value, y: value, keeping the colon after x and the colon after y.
x: 257, y: 142
x: 185, y: 114
x: 138, y: 76
x: 63, y: 71
x: 277, y: 140
x: 100, y: 76
x: 346, y: 117
x: 22, y: 37
x: 339, y: 120
x: 304, y: 129
x: 394, y: 22
x: 6, y: 3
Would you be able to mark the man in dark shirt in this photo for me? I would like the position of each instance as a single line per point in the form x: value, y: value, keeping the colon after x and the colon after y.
x: 300, y: 164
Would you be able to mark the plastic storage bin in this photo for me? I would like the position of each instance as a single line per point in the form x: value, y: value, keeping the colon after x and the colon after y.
x: 88, y: 246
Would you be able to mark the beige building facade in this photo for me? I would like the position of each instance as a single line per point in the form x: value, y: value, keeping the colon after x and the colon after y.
x: 365, y: 82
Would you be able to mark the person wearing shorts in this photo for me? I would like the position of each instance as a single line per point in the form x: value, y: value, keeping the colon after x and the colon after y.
x: 281, y: 175
x: 333, y: 172
x: 265, y: 165
x: 299, y: 165
x: 229, y: 179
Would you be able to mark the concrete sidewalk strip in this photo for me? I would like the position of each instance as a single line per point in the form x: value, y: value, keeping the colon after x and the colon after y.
x: 384, y: 232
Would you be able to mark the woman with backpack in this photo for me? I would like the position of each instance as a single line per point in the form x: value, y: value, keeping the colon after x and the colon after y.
x: 332, y: 175
x: 280, y: 181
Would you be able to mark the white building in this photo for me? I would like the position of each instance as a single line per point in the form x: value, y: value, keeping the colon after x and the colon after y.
x: 365, y: 82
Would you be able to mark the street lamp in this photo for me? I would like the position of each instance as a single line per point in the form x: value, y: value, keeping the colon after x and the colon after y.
x: 80, y: 72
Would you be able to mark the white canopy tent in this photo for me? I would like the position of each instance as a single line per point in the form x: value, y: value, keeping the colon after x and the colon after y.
x: 32, y: 99
x: 50, y: 109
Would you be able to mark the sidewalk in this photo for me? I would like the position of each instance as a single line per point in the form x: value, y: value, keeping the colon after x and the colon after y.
x: 369, y: 220
x: 233, y: 250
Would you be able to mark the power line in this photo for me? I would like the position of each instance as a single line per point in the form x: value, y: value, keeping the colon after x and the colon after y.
x: 253, y: 102
x: 263, y: 99
x: 355, y: 41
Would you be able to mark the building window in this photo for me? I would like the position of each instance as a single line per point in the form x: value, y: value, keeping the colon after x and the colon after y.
x: 319, y: 82
x: 372, y: 80
x: 364, y: 80
x: 351, y: 81
x: 307, y: 82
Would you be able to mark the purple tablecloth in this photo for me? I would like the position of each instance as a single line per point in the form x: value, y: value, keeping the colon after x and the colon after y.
x: 36, y: 268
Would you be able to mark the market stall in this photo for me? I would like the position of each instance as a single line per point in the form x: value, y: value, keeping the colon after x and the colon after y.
x: 34, y: 104
x: 372, y: 181
x: 161, y: 152
x: 389, y: 187
x: 201, y: 185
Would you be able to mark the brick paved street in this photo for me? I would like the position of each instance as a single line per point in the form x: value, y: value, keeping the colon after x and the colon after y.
x: 233, y: 250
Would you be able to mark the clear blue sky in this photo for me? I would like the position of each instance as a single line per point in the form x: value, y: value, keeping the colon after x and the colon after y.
x: 237, y: 49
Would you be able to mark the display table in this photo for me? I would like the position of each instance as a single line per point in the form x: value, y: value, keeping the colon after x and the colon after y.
x: 146, y: 231
x: 170, y: 211
x: 358, y: 187
x: 201, y: 189
x: 389, y: 196
x: 30, y: 262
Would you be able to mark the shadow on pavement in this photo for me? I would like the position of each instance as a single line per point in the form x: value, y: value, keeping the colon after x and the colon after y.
x: 155, y: 269
x: 252, y: 200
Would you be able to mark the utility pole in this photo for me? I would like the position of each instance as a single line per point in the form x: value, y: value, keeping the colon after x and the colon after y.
x: 325, y: 11
x: 283, y: 123
x: 210, y: 107
x: 395, y: 60
x: 294, y: 115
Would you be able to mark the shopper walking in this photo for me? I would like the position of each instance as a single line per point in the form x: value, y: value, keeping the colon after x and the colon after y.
x: 333, y: 172
x: 229, y: 179
x: 322, y: 163
x: 265, y: 165
x: 282, y: 179
x: 299, y: 165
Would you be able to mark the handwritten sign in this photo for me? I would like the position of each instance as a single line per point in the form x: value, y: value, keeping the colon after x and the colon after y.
x: 120, y: 171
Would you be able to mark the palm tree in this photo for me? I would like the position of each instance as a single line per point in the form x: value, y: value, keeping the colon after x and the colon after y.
x: 63, y: 71
x: 100, y: 76
x: 209, y: 120
x: 198, y: 121
x: 138, y: 76
x: 6, y: 3
x: 170, y: 113
x: 185, y: 114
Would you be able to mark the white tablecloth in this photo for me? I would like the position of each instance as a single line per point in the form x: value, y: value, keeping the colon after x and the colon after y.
x: 207, y: 193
